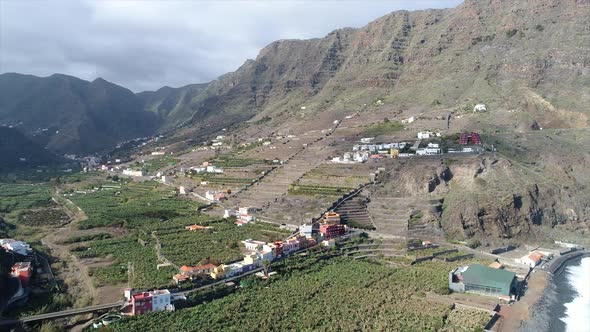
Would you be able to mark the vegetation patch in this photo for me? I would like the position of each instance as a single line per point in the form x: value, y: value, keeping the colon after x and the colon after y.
x: 384, y: 128
x: 50, y: 216
x: 300, y: 189
x: 221, y: 243
x: 23, y: 196
x: 349, y: 295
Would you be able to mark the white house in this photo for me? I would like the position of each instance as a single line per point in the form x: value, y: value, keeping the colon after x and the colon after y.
x: 432, y: 149
x: 532, y: 259
x: 425, y: 135
x: 158, y: 153
x: 246, y: 217
x: 409, y: 120
x: 131, y: 172
x: 480, y: 108
x: 229, y: 213
x: 19, y: 247
x: 306, y: 230
x: 252, y: 244
x: 182, y: 190
x: 161, y: 300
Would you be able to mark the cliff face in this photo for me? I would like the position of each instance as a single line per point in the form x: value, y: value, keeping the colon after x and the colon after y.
x: 502, y: 199
x: 534, y: 55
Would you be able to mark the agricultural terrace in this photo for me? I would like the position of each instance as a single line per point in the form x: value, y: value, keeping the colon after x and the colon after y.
x: 132, y: 206
x: 220, y: 243
x: 27, y: 205
x: 146, y: 208
x: 125, y: 252
x: 338, y: 175
x: 313, y: 190
x: 334, y: 294
x: 15, y: 197
x: 154, y: 165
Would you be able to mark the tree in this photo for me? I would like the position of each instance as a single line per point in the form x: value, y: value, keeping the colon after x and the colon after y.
x: 266, y: 267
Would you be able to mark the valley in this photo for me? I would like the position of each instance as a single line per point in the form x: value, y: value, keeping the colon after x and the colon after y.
x: 427, y: 171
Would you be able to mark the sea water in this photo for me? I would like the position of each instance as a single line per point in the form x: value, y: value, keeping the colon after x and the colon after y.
x: 565, y: 305
x: 577, y: 312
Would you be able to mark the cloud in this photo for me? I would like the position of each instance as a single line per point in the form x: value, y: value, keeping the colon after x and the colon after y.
x: 144, y: 45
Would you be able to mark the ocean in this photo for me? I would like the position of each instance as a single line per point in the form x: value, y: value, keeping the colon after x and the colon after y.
x: 565, y: 306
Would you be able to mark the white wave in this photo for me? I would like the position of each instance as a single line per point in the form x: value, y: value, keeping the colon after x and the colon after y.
x: 577, y: 312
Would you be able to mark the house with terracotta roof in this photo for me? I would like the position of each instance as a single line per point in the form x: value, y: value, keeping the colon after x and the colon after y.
x: 192, y: 271
x: 180, y: 278
x: 332, y: 218
x: 533, y: 259
x: 196, y: 227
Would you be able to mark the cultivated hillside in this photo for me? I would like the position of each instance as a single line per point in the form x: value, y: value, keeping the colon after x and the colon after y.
x: 69, y: 115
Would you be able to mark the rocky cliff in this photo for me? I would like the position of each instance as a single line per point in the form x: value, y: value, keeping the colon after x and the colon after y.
x: 533, y: 55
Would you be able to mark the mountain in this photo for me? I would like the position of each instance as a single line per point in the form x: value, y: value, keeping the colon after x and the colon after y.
x: 168, y: 102
x: 508, y: 53
x: 69, y: 115
x: 17, y: 151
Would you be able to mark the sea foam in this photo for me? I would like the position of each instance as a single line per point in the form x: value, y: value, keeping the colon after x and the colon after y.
x: 577, y: 312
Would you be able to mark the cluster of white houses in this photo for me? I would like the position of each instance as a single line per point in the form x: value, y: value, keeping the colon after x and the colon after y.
x: 258, y: 252
x: 206, y: 167
x: 244, y: 215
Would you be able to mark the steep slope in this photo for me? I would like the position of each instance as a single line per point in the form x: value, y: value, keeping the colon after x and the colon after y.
x: 70, y: 115
x: 168, y: 102
x: 17, y: 151
x: 533, y: 55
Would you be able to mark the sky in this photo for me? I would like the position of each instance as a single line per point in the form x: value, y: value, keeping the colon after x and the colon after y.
x: 144, y: 45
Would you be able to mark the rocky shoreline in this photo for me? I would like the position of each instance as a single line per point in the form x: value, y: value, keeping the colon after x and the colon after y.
x: 541, y: 317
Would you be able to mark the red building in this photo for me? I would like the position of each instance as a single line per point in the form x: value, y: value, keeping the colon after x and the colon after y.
x: 22, y: 271
x: 278, y: 248
x: 332, y: 231
x: 467, y: 138
x: 141, y: 303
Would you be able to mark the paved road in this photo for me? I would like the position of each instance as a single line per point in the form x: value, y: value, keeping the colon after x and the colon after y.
x: 61, y: 314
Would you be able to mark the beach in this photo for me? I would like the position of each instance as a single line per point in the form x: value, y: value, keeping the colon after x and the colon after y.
x: 564, y: 301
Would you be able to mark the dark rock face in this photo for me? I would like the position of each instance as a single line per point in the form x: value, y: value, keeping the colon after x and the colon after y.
x: 500, y: 51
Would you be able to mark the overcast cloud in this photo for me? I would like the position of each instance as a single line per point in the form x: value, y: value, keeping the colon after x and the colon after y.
x: 144, y: 45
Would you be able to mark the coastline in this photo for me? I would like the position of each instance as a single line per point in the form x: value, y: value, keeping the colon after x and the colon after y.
x: 540, y: 317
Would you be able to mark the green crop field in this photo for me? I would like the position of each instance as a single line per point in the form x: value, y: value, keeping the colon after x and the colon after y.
x: 132, y: 206
x: 311, y: 190
x: 220, y: 243
x: 23, y: 196
x: 333, y: 294
x: 124, y: 251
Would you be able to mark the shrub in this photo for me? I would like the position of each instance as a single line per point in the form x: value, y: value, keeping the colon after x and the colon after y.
x: 511, y: 33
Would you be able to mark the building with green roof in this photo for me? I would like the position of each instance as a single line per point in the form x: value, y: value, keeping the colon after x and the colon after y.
x: 484, y: 280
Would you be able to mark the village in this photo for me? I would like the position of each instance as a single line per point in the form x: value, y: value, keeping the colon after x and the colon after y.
x: 322, y: 187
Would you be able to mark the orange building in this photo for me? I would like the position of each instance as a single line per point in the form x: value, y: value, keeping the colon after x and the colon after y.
x: 22, y: 271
